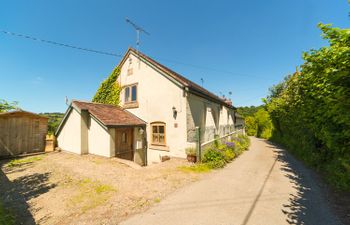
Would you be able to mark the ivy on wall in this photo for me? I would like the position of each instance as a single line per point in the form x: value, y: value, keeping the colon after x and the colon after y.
x: 108, y: 92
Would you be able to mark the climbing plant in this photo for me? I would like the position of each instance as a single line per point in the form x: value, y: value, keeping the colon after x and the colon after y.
x: 108, y: 92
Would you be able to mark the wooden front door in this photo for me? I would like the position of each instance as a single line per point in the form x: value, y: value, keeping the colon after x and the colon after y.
x: 124, y: 143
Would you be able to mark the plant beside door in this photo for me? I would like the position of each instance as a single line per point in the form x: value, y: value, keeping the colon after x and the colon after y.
x: 191, y: 154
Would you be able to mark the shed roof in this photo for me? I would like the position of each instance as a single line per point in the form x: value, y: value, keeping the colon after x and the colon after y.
x: 20, y: 112
x: 109, y: 115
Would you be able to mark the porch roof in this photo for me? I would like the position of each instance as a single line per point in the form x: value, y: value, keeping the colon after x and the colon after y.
x: 109, y: 115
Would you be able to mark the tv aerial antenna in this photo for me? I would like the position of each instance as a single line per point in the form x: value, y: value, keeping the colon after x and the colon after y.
x: 139, y: 30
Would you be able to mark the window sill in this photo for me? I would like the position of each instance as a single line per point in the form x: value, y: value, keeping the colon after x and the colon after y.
x: 159, y: 147
x: 131, y: 105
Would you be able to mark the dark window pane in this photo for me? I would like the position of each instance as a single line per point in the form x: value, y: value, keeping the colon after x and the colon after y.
x: 133, y: 93
x: 161, y: 129
x: 127, y: 94
x: 155, y: 129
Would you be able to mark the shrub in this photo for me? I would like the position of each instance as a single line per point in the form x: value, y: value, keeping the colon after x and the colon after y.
x: 191, y: 151
x: 230, y: 145
x: 229, y: 155
x: 216, y: 164
x: 244, y: 141
x: 214, y: 158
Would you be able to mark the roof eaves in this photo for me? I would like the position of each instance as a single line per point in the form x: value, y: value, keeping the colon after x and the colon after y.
x: 58, y: 130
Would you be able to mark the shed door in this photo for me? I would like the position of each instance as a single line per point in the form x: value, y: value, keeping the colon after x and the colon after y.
x: 123, y: 144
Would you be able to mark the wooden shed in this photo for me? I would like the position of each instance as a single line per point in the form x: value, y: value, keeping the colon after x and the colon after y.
x: 22, y: 132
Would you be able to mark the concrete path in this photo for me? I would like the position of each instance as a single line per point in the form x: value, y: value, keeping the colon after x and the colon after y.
x: 264, y: 186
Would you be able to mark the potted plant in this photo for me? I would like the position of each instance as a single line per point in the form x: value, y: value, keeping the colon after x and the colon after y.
x: 191, y: 154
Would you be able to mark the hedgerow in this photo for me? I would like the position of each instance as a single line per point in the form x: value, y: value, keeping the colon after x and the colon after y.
x: 310, y: 110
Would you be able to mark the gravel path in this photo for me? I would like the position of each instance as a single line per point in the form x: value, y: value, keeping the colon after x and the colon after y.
x: 61, y: 188
x: 263, y: 186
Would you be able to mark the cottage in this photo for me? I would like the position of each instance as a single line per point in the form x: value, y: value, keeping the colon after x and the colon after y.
x: 22, y: 132
x: 101, y: 129
x: 159, y: 109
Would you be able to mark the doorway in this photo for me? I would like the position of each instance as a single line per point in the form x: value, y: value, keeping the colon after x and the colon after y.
x: 124, y: 143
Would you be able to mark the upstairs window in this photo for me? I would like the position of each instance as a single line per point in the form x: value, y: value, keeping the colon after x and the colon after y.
x: 158, y: 133
x: 130, y: 94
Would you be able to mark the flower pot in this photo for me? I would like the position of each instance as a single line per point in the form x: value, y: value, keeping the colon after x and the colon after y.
x: 192, y: 158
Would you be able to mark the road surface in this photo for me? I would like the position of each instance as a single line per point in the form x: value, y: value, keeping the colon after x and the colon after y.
x: 264, y: 186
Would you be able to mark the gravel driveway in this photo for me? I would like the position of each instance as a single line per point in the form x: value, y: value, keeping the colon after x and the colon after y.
x: 263, y: 186
x: 62, y: 188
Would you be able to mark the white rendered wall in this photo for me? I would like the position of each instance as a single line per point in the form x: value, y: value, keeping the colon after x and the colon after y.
x: 156, y: 97
x: 69, y: 138
x: 98, y: 139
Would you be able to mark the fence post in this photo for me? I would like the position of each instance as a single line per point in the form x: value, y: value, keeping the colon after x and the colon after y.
x: 199, y: 145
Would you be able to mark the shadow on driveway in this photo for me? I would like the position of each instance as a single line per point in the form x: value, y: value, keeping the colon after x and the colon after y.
x: 16, y: 194
x: 310, y: 204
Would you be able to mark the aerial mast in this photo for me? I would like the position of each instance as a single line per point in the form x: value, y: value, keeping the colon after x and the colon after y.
x: 139, y: 30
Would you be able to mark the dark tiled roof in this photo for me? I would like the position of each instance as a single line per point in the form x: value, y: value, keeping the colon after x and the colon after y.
x: 109, y: 115
x: 183, y: 80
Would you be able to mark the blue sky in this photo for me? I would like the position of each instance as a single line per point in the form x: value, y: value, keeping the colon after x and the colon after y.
x: 240, y: 46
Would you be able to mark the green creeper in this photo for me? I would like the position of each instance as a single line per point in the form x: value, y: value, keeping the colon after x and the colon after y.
x: 108, y: 92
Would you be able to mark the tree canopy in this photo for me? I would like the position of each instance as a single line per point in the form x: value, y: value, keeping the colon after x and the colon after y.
x: 6, y: 106
x: 310, y: 110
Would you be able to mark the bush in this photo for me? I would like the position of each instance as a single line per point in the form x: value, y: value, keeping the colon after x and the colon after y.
x: 251, y: 125
x: 216, y: 164
x: 230, y: 145
x: 191, y: 151
x: 218, y: 154
x: 244, y: 141
x: 229, y: 155
x: 214, y: 158
x: 259, y: 125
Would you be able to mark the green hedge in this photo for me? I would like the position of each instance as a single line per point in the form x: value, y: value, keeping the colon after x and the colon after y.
x: 310, y: 110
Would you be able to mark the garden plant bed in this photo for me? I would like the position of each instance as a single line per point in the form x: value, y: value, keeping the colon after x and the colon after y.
x: 62, y: 188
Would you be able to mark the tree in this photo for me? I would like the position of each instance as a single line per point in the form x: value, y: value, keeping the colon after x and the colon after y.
x: 248, y: 110
x: 310, y: 113
x: 7, y: 106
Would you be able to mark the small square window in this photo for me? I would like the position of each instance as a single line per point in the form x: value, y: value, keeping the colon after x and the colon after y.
x: 158, y: 133
x: 130, y: 94
x: 130, y: 71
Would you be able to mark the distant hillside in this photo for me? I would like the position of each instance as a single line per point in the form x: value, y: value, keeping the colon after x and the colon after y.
x: 248, y: 110
x: 54, y: 120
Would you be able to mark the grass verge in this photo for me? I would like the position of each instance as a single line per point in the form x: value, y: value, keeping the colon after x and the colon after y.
x: 196, y: 168
x: 6, y: 217
x: 91, y: 194
x: 26, y: 160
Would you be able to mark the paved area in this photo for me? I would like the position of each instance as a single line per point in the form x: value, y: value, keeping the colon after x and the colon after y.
x: 265, y: 185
